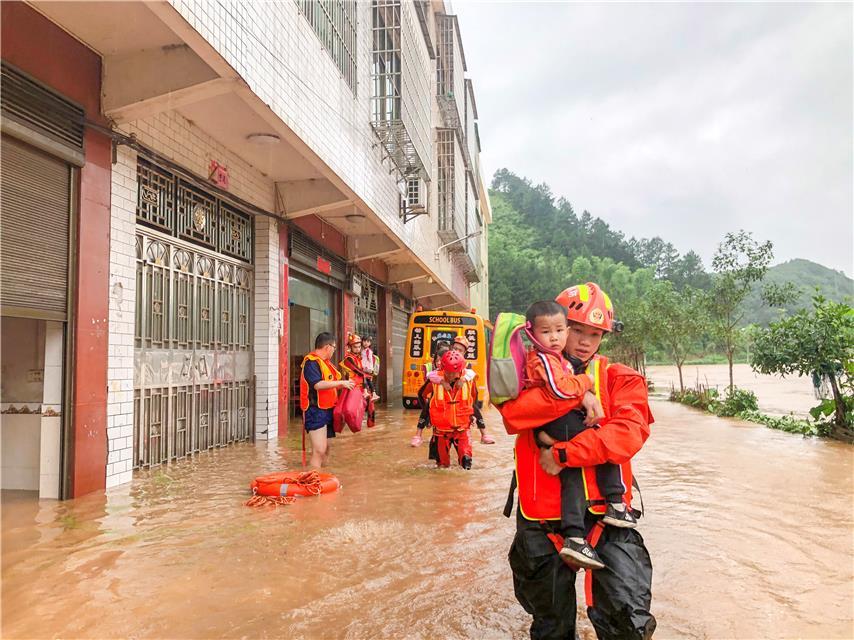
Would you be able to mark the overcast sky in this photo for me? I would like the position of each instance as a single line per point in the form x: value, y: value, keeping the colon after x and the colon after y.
x: 683, y: 121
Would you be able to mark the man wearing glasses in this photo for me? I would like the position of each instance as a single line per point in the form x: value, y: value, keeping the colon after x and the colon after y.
x: 318, y: 392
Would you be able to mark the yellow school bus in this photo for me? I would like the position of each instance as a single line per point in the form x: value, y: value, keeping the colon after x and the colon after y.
x: 426, y: 329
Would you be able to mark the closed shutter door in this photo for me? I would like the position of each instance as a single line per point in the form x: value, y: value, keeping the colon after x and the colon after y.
x: 399, y: 326
x: 34, y: 217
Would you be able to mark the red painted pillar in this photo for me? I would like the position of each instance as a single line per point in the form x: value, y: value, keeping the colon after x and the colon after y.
x: 91, y: 312
x: 348, y: 315
x: 284, y: 357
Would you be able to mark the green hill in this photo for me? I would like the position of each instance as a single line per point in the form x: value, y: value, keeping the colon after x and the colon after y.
x: 807, y: 276
x: 538, y: 242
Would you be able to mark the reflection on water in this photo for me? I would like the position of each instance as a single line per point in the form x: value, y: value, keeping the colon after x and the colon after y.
x: 750, y: 532
x: 777, y: 395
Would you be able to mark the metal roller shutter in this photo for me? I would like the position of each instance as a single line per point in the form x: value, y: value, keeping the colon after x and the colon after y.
x: 34, y: 217
x: 399, y: 327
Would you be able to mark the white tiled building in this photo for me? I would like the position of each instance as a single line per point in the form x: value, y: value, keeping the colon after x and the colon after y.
x: 279, y: 168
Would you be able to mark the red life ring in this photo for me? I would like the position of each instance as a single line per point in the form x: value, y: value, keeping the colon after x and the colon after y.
x: 295, y: 483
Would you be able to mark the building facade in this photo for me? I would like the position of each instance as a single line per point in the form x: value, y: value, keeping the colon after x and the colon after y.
x: 226, y: 181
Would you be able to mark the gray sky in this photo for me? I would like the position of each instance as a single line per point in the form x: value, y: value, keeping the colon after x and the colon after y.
x: 683, y: 121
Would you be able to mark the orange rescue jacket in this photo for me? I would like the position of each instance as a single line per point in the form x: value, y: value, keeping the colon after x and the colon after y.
x: 623, y: 394
x: 452, y: 410
x: 352, y: 366
x: 326, y: 398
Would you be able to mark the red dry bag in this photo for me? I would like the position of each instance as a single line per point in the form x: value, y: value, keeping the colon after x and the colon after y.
x: 349, y: 410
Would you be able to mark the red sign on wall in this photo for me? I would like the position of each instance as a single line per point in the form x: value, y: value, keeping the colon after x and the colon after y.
x: 324, y: 266
x: 218, y: 174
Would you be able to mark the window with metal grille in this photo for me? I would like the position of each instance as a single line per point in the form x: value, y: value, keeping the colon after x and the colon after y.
x: 445, y: 184
x: 334, y: 23
x: 400, y: 78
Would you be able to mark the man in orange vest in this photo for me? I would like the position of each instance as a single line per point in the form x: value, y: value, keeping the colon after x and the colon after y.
x: 618, y: 596
x: 451, y: 404
x: 319, y: 383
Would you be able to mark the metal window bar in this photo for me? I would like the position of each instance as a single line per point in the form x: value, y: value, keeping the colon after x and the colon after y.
x: 334, y: 23
x: 446, y: 186
x: 393, y: 122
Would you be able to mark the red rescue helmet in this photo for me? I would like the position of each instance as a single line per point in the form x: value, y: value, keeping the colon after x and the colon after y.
x: 587, y: 304
x: 453, y: 362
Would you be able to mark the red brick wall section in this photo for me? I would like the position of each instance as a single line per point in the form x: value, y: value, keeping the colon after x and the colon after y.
x: 35, y: 45
x: 284, y: 363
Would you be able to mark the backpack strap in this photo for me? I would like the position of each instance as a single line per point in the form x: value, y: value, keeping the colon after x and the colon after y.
x: 508, y: 506
x: 638, y: 513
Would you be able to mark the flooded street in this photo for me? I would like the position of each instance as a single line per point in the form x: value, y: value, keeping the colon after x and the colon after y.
x: 750, y: 532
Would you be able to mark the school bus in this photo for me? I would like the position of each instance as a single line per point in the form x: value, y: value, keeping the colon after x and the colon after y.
x: 426, y: 329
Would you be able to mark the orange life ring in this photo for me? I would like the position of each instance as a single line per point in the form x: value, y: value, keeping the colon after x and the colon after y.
x: 295, y: 483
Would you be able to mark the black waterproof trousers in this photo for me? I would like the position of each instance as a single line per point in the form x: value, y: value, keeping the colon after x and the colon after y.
x: 545, y: 585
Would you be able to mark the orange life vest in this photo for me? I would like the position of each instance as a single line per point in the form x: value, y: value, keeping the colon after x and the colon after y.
x: 452, y: 410
x: 352, y: 365
x: 326, y: 398
x: 539, y: 492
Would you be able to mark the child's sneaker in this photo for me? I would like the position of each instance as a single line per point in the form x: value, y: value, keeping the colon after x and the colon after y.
x: 624, y: 518
x: 582, y: 554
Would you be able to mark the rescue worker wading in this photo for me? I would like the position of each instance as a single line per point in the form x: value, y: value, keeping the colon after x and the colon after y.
x: 319, y: 383
x: 619, y: 595
x: 351, y: 366
x: 451, y: 404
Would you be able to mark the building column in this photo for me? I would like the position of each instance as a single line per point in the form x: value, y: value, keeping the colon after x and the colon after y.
x: 89, y: 397
x: 284, y: 355
x: 383, y: 345
x: 50, y: 442
x: 122, y: 332
x: 267, y: 328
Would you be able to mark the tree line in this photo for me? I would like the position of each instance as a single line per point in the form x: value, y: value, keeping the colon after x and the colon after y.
x: 671, y: 308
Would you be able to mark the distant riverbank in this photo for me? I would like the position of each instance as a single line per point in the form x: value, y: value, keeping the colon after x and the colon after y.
x: 777, y: 396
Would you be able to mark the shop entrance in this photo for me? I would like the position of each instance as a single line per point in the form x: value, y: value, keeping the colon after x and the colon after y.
x: 311, y: 307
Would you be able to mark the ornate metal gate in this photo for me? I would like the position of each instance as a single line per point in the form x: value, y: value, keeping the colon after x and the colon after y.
x: 193, y: 383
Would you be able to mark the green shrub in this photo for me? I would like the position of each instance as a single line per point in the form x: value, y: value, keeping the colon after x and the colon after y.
x: 737, y: 401
x: 702, y: 397
x: 789, y: 424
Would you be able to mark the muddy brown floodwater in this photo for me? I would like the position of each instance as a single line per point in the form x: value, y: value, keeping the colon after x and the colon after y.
x: 750, y: 532
x: 776, y: 395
